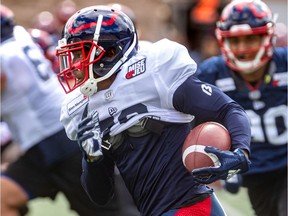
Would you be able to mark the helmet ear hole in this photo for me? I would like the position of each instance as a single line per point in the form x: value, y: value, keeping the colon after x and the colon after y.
x: 97, y: 70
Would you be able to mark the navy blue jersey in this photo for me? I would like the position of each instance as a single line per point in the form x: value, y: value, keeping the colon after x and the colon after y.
x: 151, y: 165
x: 266, y: 106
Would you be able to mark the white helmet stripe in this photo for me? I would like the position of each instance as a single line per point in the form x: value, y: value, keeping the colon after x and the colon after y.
x: 98, y: 28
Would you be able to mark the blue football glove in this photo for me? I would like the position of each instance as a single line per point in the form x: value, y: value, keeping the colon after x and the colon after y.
x: 233, y: 184
x: 230, y: 163
x: 89, y: 137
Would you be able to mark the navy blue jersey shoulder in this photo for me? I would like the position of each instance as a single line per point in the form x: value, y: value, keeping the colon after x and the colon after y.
x: 280, y: 58
x: 212, y: 69
x: 265, y: 106
x: 215, y: 67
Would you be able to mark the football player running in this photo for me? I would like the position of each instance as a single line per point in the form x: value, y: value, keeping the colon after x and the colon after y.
x: 134, y: 108
x: 31, y: 100
x: 254, y: 73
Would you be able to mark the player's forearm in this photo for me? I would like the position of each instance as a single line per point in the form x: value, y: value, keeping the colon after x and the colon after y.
x: 240, y: 132
x: 98, y: 182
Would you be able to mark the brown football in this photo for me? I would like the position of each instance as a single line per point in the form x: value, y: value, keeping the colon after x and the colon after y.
x: 205, y: 134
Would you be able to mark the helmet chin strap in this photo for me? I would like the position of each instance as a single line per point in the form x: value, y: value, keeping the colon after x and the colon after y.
x: 90, y: 86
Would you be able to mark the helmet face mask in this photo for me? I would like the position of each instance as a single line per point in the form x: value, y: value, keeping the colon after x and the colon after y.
x: 246, y: 18
x: 74, y: 60
x: 105, y: 38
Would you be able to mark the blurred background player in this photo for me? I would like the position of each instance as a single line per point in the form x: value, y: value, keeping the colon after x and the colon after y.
x: 46, y: 21
x: 48, y: 46
x: 254, y: 73
x: 10, y: 150
x: 30, y: 105
x: 64, y: 10
x: 47, y: 28
x: 53, y: 22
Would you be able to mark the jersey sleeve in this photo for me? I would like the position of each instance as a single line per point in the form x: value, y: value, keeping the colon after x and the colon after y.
x: 173, y: 65
x: 208, y: 103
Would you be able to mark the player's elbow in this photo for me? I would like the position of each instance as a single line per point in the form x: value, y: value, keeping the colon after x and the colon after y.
x: 102, y: 200
x: 100, y: 196
x: 99, y: 192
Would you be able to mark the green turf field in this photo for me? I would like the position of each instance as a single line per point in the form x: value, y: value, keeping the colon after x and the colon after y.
x: 235, y: 205
x: 47, y: 207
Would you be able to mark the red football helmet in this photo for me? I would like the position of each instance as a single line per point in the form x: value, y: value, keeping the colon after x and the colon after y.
x: 246, y: 17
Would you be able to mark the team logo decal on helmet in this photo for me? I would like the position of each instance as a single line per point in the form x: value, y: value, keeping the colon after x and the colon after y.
x: 96, y: 42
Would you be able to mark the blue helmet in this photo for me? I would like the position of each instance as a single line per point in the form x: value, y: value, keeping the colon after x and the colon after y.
x: 105, y: 36
x: 7, y: 22
x: 246, y: 17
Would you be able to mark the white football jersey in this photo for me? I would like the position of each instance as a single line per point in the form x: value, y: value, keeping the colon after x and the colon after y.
x: 5, y: 134
x: 31, y: 100
x: 144, y: 87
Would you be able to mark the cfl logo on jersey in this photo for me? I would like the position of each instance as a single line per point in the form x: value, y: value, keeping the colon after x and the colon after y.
x: 206, y: 89
x: 112, y: 110
x: 136, y: 69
